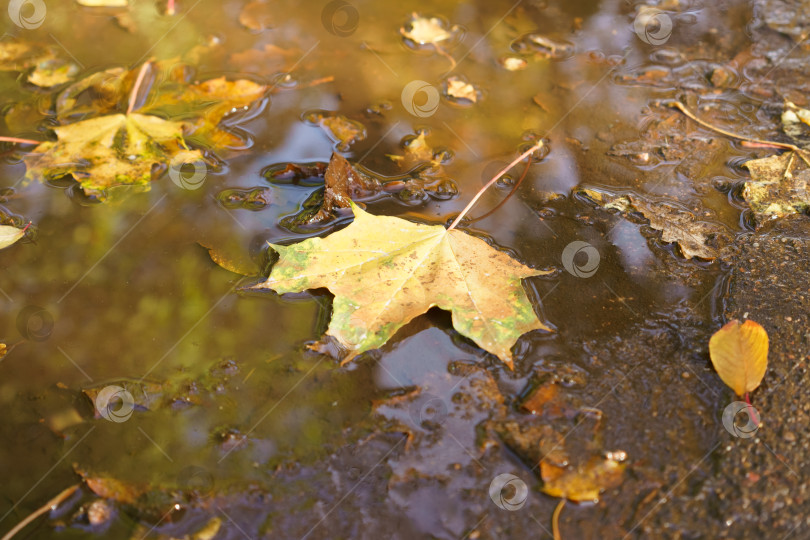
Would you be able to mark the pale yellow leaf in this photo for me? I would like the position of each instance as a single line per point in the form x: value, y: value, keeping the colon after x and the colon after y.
x: 384, y: 271
x: 425, y: 30
x: 9, y: 235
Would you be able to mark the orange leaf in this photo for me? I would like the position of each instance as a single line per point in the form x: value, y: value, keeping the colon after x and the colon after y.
x: 739, y: 353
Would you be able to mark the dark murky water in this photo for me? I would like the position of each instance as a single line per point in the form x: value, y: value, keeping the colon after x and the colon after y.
x: 221, y: 377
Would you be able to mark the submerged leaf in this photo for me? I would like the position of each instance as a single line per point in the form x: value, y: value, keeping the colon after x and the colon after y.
x: 384, y: 271
x: 342, y: 130
x: 21, y: 55
x: 212, y: 100
x: 230, y: 257
x: 53, y: 72
x: 110, y: 151
x: 696, y: 238
x: 739, y: 353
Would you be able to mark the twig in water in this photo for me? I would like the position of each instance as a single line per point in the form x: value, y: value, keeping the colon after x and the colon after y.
x: 50, y: 505
x: 752, y: 415
x: 787, y: 146
x: 521, y: 157
x: 133, y: 95
x: 512, y: 192
x: 555, y: 520
x: 18, y: 140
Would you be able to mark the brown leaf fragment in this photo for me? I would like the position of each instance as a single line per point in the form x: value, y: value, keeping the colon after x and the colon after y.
x: 532, y: 441
x: 111, y: 488
x: 343, y: 184
x: 256, y: 16
x: 545, y: 401
x: 343, y: 131
x: 696, y: 238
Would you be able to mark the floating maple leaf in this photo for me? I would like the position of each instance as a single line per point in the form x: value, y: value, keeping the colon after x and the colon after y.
x: 384, y: 271
x: 110, y: 151
x: 124, y: 149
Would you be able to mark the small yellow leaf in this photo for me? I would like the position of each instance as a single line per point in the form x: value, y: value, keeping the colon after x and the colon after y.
x: 739, y: 352
x: 586, y: 482
x: 9, y: 235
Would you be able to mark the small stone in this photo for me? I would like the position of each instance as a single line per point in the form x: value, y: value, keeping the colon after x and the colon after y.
x: 789, y: 436
x: 99, y: 512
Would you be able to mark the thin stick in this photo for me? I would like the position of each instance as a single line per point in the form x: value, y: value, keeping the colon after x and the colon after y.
x: 787, y: 146
x: 309, y: 84
x: 512, y: 192
x: 447, y: 55
x: 751, y: 414
x: 134, y: 94
x: 50, y: 505
x: 489, y: 184
x: 555, y: 520
x: 18, y: 140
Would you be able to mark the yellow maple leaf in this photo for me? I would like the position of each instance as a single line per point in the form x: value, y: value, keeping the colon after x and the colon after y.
x: 384, y: 271
x: 739, y: 353
x: 110, y: 151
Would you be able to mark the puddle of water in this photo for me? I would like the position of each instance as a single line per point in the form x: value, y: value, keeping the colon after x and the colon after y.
x: 132, y: 295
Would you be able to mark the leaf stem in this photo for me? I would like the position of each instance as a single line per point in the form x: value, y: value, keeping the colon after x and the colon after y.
x: 521, y: 157
x: 787, y: 146
x: 18, y: 140
x: 752, y: 415
x: 555, y: 520
x: 56, y: 501
x: 170, y: 8
x: 133, y: 95
x: 512, y: 192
